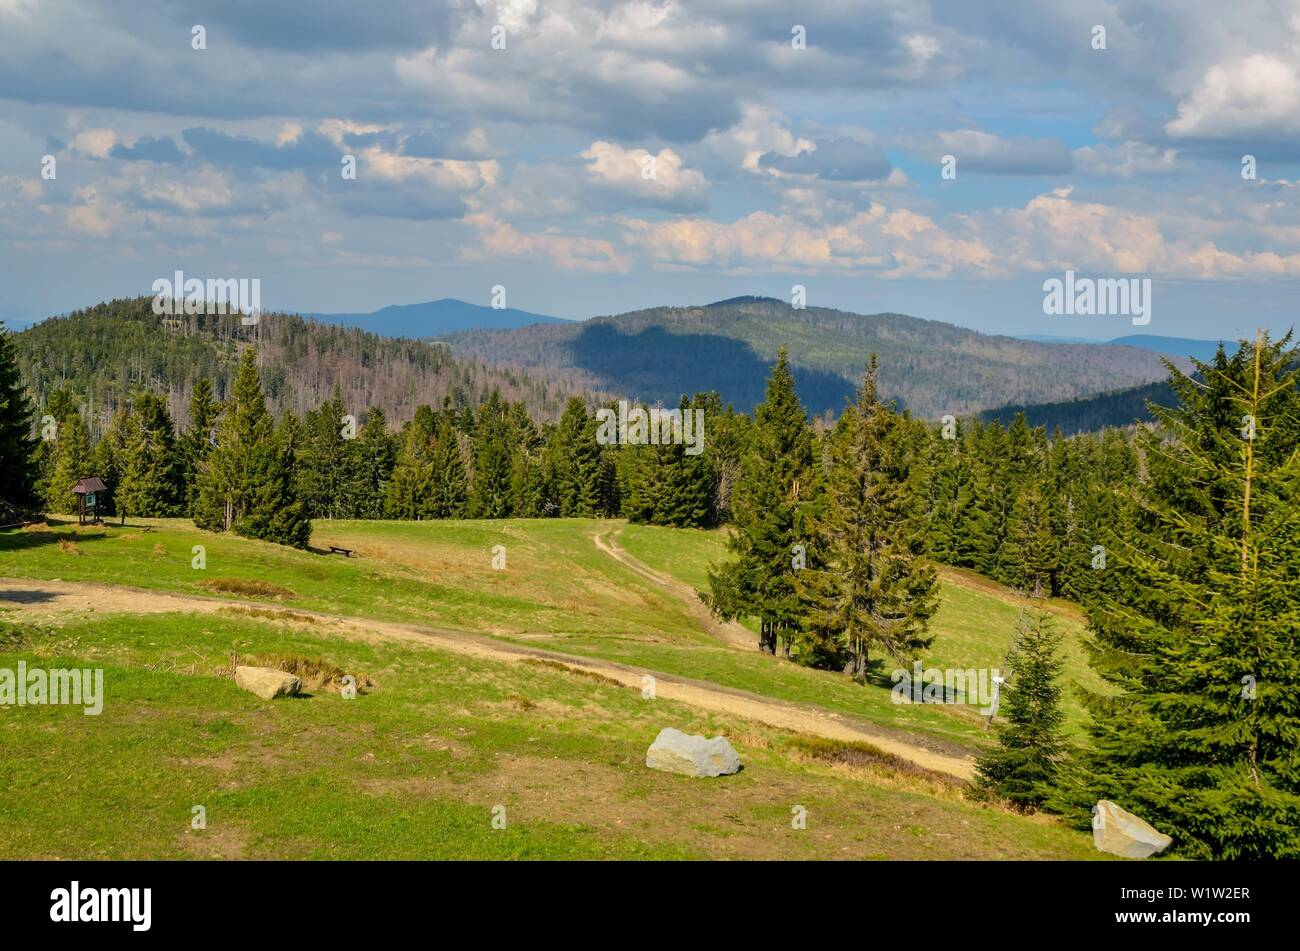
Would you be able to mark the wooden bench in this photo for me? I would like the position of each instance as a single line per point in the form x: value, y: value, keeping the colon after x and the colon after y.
x: 345, y: 552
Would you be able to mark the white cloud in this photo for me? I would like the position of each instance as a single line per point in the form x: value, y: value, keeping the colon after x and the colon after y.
x: 1258, y: 95
x: 91, y: 216
x: 499, y: 239
x: 758, y: 132
x: 96, y: 142
x: 626, y: 172
x: 1127, y: 160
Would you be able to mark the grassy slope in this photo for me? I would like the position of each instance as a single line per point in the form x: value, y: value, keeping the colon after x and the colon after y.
x: 972, y: 628
x: 557, y: 591
x: 413, y: 768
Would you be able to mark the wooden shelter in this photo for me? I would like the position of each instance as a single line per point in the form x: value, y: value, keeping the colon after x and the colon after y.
x: 86, y: 491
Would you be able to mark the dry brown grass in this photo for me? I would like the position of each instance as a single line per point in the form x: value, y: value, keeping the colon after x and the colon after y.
x: 867, y: 762
x: 565, y: 668
x: 159, y: 549
x: 68, y: 547
x: 271, y: 614
x: 314, y: 672
x: 251, y: 589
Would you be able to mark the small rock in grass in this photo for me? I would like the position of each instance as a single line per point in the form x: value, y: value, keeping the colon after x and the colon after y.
x: 676, y: 752
x: 267, y: 682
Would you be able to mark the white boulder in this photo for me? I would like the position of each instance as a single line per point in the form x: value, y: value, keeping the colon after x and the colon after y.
x: 676, y: 752
x: 267, y: 682
x: 1122, y: 833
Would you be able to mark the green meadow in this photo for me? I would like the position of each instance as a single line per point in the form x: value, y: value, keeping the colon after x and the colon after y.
x: 414, y: 767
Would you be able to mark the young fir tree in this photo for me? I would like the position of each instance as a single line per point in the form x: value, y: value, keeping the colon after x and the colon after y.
x: 1023, y: 767
x: 875, y: 592
x: 690, y: 496
x: 109, y: 459
x: 197, y: 441
x: 17, y: 445
x: 766, y: 501
x: 326, y: 471
x: 1030, y: 551
x: 150, y: 485
x: 247, y: 484
x: 411, y: 487
x: 72, y: 459
x: 572, y: 464
x: 375, y: 458
x: 448, y: 485
x: 1200, y: 734
x: 490, y: 497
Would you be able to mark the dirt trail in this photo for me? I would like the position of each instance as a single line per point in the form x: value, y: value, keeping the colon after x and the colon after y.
x: 729, y: 632
x: 39, y: 599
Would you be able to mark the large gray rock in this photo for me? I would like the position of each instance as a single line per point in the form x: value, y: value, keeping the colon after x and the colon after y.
x: 1122, y: 833
x: 267, y: 682
x: 676, y: 752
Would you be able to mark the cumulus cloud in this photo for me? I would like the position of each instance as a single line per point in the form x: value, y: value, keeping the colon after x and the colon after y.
x: 1051, y: 232
x: 1259, y: 94
x: 96, y: 142
x: 498, y: 239
x: 644, y: 178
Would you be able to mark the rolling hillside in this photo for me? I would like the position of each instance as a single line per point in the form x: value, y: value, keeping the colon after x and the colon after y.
x: 104, y: 352
x: 515, y: 690
x: 930, y: 367
x: 1090, y: 413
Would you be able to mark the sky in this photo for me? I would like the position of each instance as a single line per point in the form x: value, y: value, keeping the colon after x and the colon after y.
x: 938, y: 159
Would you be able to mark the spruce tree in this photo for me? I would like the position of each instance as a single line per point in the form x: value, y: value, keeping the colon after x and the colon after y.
x: 374, y: 461
x: 327, y: 462
x: 109, y: 459
x: 247, y: 484
x: 770, y: 491
x: 572, y: 463
x: 1023, y: 767
x: 197, y: 441
x: 1200, y: 732
x: 150, y: 485
x: 411, y: 487
x: 492, y: 461
x: 17, y: 445
x: 875, y: 590
x: 72, y: 460
x: 1030, y: 551
x: 448, y: 486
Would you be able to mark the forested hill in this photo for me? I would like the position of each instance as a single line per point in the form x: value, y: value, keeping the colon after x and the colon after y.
x: 1093, y: 413
x: 930, y: 367
x: 105, y: 352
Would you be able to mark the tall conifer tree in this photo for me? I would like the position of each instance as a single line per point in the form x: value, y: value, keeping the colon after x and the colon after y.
x: 1200, y: 734
x: 17, y: 445
x: 875, y: 591
x: 770, y: 490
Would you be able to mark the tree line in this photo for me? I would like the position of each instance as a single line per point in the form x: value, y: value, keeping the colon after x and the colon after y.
x: 235, y: 467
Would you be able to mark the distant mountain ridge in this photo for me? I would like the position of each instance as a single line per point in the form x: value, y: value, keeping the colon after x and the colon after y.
x: 105, y: 352
x: 1202, y: 350
x: 435, y: 318
x: 930, y: 367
